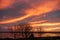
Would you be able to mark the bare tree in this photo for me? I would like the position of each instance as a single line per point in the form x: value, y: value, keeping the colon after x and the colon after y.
x: 25, y: 28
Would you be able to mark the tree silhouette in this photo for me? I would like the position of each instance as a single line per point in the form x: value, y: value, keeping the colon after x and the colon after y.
x: 25, y: 28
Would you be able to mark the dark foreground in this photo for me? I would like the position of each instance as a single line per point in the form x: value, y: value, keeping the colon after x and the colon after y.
x: 41, y: 38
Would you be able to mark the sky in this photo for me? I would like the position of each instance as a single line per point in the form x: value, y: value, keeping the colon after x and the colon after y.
x: 45, y: 13
x: 24, y: 11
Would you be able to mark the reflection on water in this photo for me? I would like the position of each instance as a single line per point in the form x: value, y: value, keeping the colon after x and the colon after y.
x: 6, y: 35
x: 46, y: 34
x: 50, y: 34
x: 22, y: 35
x: 33, y: 32
x: 37, y: 34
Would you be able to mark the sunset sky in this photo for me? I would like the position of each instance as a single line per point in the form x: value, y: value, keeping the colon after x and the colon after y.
x: 25, y: 11
x: 41, y: 15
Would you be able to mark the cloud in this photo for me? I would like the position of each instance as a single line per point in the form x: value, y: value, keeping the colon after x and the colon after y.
x: 31, y: 8
x: 5, y: 3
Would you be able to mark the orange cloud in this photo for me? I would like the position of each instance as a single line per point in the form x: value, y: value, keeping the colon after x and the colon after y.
x: 41, y: 21
x: 47, y: 6
x: 14, y: 20
x: 5, y: 3
x: 42, y: 9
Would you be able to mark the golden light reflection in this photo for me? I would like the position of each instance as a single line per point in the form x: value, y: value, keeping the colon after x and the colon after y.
x: 50, y: 35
